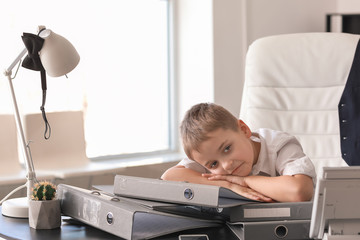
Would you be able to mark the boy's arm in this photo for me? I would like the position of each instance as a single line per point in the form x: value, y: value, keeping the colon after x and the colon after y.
x: 286, y: 188
x: 180, y: 173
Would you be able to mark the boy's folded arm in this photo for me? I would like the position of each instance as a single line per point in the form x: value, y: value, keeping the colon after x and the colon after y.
x: 180, y: 173
x: 286, y: 188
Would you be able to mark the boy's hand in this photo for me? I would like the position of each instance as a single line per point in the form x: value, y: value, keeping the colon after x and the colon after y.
x: 249, y: 193
x: 239, y: 186
x: 230, y: 178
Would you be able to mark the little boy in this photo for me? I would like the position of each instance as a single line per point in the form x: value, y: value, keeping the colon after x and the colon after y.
x: 263, y: 165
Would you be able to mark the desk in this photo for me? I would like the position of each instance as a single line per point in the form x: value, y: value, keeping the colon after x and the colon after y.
x: 14, y: 228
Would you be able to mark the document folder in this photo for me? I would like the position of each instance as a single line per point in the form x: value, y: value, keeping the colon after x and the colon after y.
x: 174, y: 208
x: 245, y: 217
x: 260, y: 212
x: 296, y: 229
x: 177, y: 192
x: 122, y: 217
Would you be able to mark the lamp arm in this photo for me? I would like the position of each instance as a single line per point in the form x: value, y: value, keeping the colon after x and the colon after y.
x: 31, y: 177
x: 16, y: 61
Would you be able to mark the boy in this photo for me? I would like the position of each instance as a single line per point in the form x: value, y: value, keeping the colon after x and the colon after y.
x: 263, y: 165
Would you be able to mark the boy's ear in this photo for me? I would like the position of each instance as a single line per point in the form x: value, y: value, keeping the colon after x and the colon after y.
x: 244, y: 128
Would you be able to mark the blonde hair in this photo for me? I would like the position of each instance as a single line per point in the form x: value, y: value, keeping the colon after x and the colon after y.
x: 200, y: 120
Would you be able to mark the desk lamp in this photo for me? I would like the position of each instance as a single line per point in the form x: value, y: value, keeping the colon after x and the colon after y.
x: 47, y: 52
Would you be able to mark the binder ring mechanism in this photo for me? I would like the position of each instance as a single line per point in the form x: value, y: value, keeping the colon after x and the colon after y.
x: 114, y: 199
x: 96, y: 193
x: 188, y: 193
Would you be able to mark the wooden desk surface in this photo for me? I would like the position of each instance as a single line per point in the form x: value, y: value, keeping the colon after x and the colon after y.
x: 14, y: 228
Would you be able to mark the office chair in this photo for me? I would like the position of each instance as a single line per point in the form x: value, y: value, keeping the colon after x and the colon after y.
x: 293, y: 83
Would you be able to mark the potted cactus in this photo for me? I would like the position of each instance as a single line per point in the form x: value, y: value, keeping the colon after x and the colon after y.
x: 44, y: 208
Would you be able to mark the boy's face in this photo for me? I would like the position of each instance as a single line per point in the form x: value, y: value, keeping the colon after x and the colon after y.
x: 228, y: 151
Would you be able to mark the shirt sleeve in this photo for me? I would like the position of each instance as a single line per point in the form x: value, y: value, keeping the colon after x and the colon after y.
x: 191, y: 164
x: 292, y: 160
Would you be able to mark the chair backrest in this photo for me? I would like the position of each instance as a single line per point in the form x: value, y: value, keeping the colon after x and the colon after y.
x: 9, y: 158
x: 66, y: 146
x: 293, y: 83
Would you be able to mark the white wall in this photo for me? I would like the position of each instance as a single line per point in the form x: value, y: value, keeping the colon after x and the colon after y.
x: 347, y: 6
x: 270, y: 17
x: 229, y: 48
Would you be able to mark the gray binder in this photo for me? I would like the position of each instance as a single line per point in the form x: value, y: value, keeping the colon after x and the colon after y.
x: 174, y: 208
x: 271, y: 212
x: 177, y: 192
x: 271, y: 220
x: 296, y: 229
x: 121, y: 217
x: 245, y: 217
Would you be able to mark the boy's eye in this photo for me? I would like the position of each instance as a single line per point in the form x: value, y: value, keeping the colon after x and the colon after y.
x: 214, y: 164
x: 227, y: 148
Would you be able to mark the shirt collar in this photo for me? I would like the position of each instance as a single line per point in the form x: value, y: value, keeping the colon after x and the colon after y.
x: 262, y: 166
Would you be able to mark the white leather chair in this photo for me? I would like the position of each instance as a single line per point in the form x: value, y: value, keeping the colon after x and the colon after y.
x: 293, y: 83
x: 64, y: 153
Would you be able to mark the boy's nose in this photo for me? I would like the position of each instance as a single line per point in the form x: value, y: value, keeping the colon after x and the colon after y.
x: 228, y: 166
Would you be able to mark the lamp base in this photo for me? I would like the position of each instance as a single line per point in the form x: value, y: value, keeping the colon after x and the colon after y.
x: 16, y: 208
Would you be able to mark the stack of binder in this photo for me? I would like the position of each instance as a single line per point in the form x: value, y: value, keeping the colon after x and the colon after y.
x: 271, y: 220
x: 144, y: 208
x: 123, y: 217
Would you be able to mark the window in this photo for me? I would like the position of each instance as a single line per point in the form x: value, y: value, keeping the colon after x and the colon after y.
x: 122, y: 81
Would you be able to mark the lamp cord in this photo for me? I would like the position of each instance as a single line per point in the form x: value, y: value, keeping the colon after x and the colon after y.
x: 11, y: 193
x: 47, y: 132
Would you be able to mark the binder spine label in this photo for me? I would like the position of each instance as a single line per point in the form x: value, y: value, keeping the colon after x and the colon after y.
x: 267, y: 212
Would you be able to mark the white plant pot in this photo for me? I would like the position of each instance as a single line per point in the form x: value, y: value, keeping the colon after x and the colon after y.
x: 44, y: 214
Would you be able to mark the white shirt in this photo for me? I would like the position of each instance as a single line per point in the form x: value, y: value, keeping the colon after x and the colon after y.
x: 280, y: 154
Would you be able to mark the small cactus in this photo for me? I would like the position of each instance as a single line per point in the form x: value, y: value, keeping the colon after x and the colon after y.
x: 43, y: 191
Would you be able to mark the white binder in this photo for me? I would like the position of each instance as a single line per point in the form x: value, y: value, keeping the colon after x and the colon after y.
x: 177, y: 192
x: 202, y: 212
